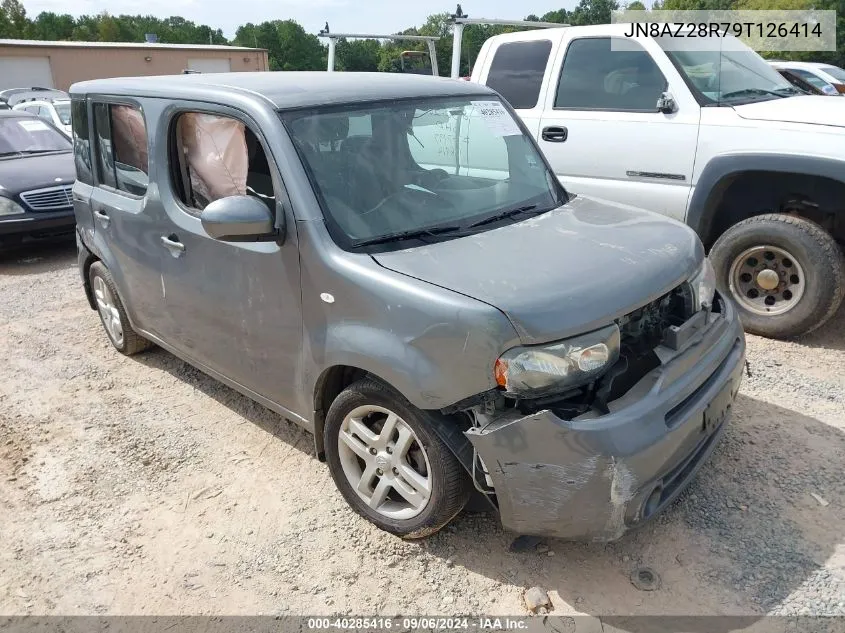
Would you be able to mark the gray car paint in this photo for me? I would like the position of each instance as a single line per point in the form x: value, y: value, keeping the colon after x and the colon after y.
x: 253, y: 314
x: 535, y: 269
x: 589, y: 478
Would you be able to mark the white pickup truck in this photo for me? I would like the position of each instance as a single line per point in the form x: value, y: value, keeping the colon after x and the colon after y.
x: 718, y: 140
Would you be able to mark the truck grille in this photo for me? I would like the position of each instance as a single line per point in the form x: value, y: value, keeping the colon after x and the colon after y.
x: 49, y: 199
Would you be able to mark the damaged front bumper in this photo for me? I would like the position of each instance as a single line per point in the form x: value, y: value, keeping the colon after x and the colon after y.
x: 596, y: 476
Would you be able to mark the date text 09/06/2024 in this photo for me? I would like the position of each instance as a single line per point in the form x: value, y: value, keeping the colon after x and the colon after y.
x: 414, y: 623
x: 723, y: 29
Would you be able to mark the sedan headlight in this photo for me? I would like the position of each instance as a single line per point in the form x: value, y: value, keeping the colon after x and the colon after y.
x: 537, y: 371
x: 9, y: 207
x: 704, y: 284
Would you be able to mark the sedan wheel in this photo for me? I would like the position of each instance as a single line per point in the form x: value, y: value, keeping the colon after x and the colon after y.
x: 108, y: 311
x: 390, y: 464
x: 384, y: 462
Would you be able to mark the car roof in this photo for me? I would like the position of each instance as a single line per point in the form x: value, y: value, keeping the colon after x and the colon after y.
x: 40, y: 102
x: 805, y: 65
x: 284, y: 90
x: 17, y: 114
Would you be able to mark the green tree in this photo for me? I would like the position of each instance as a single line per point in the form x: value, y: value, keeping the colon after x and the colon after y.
x: 288, y: 46
x: 636, y: 5
x: 13, y: 20
x: 107, y: 29
x: 561, y: 16
x: 593, y: 12
x: 358, y: 55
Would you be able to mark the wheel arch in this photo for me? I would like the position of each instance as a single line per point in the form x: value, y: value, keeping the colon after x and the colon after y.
x: 703, y: 214
x: 333, y: 380
x: 85, y: 267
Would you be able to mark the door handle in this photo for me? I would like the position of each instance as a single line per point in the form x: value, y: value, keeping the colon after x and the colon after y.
x: 173, y: 244
x: 555, y: 134
x: 103, y: 217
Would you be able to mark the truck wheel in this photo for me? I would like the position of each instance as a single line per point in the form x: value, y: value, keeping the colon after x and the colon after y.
x: 785, y: 273
x: 113, y: 316
x: 389, y: 464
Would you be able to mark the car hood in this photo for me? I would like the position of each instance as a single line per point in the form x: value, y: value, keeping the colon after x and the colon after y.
x: 814, y: 109
x: 36, y: 172
x: 564, y: 272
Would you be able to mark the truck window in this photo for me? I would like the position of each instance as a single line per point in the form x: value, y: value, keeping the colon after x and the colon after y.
x: 517, y: 71
x: 594, y: 77
x: 215, y: 157
x: 122, y: 160
x: 81, y: 142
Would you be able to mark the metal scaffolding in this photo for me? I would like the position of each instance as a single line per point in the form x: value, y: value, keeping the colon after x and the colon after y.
x: 334, y: 37
x: 461, y: 19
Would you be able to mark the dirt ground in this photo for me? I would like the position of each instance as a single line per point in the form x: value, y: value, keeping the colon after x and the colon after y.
x: 139, y: 485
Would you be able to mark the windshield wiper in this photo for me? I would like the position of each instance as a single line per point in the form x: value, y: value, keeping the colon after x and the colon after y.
x: 503, y: 215
x: 5, y: 154
x: 752, y: 91
x: 405, y: 235
x: 42, y: 151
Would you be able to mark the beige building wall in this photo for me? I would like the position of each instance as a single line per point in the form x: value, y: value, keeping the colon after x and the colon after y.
x: 78, y: 63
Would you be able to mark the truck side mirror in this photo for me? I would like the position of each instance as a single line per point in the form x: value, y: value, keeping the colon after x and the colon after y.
x: 666, y: 103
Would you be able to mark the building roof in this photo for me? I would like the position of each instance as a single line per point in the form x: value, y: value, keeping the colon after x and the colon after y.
x: 286, y: 90
x: 142, y: 45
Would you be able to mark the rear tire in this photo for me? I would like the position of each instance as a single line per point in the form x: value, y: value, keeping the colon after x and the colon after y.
x: 112, y: 315
x: 785, y: 274
x: 405, y: 480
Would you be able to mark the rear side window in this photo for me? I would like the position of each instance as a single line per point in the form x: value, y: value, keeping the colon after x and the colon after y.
x: 215, y: 157
x: 596, y: 77
x: 81, y: 141
x: 809, y: 77
x: 122, y: 160
x: 517, y: 71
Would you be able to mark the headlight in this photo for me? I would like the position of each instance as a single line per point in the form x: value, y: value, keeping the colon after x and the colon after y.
x: 9, y: 207
x: 704, y: 284
x: 537, y: 371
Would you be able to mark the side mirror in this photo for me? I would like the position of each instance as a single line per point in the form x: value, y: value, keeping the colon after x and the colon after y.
x: 666, y: 103
x: 240, y: 219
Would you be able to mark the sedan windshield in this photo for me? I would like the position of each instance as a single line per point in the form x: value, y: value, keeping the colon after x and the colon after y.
x: 63, y: 110
x: 421, y: 169
x: 28, y: 135
x: 730, y: 74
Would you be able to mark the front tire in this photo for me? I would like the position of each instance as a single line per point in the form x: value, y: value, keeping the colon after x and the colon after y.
x: 112, y: 315
x: 389, y: 464
x: 784, y: 272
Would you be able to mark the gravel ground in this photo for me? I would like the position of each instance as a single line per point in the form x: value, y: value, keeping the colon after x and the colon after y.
x: 139, y: 485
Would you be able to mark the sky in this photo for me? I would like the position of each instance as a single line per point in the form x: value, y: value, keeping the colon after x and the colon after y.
x: 347, y: 16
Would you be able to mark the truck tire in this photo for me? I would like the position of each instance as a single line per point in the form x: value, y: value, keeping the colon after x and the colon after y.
x: 785, y: 274
x: 389, y: 464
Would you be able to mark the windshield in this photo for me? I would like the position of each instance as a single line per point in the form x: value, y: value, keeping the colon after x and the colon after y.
x: 63, y: 110
x: 834, y: 71
x: 732, y: 75
x: 440, y: 166
x: 25, y: 135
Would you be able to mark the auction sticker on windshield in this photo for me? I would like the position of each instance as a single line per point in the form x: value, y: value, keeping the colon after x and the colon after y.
x: 33, y: 126
x: 498, y: 120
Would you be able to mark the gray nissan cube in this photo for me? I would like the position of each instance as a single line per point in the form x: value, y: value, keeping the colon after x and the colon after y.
x: 389, y: 262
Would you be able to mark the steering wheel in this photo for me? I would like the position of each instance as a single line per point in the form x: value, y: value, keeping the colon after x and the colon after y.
x: 430, y: 177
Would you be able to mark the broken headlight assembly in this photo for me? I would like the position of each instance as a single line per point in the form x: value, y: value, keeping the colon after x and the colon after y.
x: 704, y: 285
x: 532, y: 372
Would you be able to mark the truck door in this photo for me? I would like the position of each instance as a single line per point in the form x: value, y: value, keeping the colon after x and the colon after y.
x: 603, y: 134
